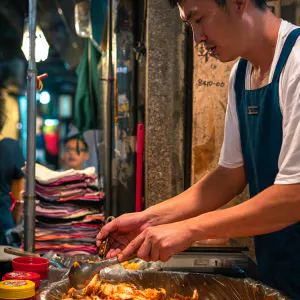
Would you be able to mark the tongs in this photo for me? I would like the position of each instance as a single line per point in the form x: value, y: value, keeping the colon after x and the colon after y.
x: 81, y: 273
x: 103, y: 249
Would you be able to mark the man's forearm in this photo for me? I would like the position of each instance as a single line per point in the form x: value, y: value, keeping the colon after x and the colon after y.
x: 275, y: 208
x: 213, y: 191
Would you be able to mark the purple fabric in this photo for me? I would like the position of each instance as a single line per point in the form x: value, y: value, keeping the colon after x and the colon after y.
x: 81, y: 197
x: 62, y: 193
x: 79, y: 185
x: 68, y: 207
x: 65, y: 227
x: 84, y: 220
x: 60, y: 213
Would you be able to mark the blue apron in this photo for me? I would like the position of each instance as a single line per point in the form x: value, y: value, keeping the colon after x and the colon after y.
x: 260, y: 119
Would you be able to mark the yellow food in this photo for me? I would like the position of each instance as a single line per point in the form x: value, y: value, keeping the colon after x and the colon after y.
x: 100, y: 290
x: 76, y: 264
x: 131, y: 266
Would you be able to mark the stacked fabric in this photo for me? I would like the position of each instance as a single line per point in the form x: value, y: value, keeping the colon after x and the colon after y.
x: 69, y: 211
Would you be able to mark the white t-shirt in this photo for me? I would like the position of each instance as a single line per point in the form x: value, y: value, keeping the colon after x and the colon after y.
x: 289, y: 98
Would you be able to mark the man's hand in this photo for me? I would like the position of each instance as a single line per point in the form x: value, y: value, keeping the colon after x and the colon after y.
x: 160, y: 242
x: 122, y: 231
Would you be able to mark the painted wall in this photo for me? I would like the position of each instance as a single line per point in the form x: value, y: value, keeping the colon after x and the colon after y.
x: 210, y: 90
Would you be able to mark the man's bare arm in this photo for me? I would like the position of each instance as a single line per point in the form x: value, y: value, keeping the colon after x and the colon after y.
x: 213, y: 191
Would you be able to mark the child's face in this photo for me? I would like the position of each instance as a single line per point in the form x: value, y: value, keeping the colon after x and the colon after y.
x: 71, y: 158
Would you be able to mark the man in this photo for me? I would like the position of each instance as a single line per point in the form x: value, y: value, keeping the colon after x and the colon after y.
x: 261, y: 147
x: 75, y: 153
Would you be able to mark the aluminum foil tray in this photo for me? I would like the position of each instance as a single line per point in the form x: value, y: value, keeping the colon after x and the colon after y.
x: 210, y: 287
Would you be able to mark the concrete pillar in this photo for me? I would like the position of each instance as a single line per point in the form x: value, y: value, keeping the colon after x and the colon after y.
x: 164, y: 102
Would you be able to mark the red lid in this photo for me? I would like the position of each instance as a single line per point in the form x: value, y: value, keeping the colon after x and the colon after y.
x: 22, y: 275
x: 30, y: 262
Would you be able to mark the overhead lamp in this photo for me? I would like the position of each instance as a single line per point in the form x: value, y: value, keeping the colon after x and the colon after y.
x: 41, y: 44
x: 82, y: 19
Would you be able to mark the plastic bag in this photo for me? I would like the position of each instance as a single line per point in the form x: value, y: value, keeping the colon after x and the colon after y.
x: 210, y: 287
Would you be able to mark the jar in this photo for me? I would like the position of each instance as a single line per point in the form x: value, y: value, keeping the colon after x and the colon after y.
x: 22, y: 275
x: 17, y: 290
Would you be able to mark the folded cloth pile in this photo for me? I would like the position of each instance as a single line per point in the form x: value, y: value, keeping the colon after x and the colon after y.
x: 69, y: 211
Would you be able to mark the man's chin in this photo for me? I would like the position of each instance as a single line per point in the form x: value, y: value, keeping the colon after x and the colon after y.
x: 226, y: 59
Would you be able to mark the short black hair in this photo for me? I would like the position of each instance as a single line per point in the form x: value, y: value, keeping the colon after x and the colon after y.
x: 260, y: 4
x: 77, y: 137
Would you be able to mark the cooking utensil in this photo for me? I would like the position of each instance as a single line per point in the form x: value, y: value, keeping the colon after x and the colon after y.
x: 103, y: 249
x: 82, y: 273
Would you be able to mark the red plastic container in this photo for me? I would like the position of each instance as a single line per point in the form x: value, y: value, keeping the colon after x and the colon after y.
x: 21, y: 275
x: 32, y: 264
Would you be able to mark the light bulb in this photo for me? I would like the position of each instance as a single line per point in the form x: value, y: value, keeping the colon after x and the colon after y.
x: 41, y: 44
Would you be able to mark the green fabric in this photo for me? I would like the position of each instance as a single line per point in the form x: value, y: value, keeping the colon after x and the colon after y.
x: 87, y: 107
x: 98, y: 19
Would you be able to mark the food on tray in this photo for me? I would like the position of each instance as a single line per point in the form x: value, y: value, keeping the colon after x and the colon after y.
x: 76, y: 264
x: 101, y: 290
x: 131, y: 266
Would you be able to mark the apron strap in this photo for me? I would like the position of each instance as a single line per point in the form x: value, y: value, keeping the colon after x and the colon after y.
x: 285, y: 53
x: 239, y: 84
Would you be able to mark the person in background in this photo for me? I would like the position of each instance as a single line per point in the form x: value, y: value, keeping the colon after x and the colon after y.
x: 11, y: 178
x: 75, y: 153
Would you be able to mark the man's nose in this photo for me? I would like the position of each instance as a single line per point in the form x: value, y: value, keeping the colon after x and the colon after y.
x: 199, y: 35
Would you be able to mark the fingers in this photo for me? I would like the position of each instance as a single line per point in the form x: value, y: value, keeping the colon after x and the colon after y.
x: 107, y: 229
x: 154, y: 253
x: 147, y: 247
x: 145, y: 250
x: 132, y: 247
x: 164, y: 257
x: 113, y: 253
x: 117, y: 244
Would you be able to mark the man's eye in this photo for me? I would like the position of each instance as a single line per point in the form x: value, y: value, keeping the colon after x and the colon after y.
x: 198, y: 21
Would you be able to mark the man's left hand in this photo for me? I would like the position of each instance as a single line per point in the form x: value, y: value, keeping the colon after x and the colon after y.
x: 160, y: 242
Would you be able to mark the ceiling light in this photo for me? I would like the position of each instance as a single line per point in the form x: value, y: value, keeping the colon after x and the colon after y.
x: 41, y: 44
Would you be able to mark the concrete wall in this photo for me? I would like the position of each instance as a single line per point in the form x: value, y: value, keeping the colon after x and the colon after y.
x: 164, y: 102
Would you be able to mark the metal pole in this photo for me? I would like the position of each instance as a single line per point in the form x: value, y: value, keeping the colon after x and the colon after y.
x: 108, y: 118
x: 29, y: 205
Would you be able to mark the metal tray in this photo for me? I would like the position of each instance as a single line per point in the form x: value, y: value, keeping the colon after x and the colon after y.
x: 210, y: 287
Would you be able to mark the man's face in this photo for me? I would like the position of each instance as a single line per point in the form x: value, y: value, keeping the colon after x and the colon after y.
x: 71, y: 158
x: 217, y: 27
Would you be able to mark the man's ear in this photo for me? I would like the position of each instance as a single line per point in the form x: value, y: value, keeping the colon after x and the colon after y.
x: 240, y: 6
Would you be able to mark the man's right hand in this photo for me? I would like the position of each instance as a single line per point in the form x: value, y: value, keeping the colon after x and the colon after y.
x: 122, y: 231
